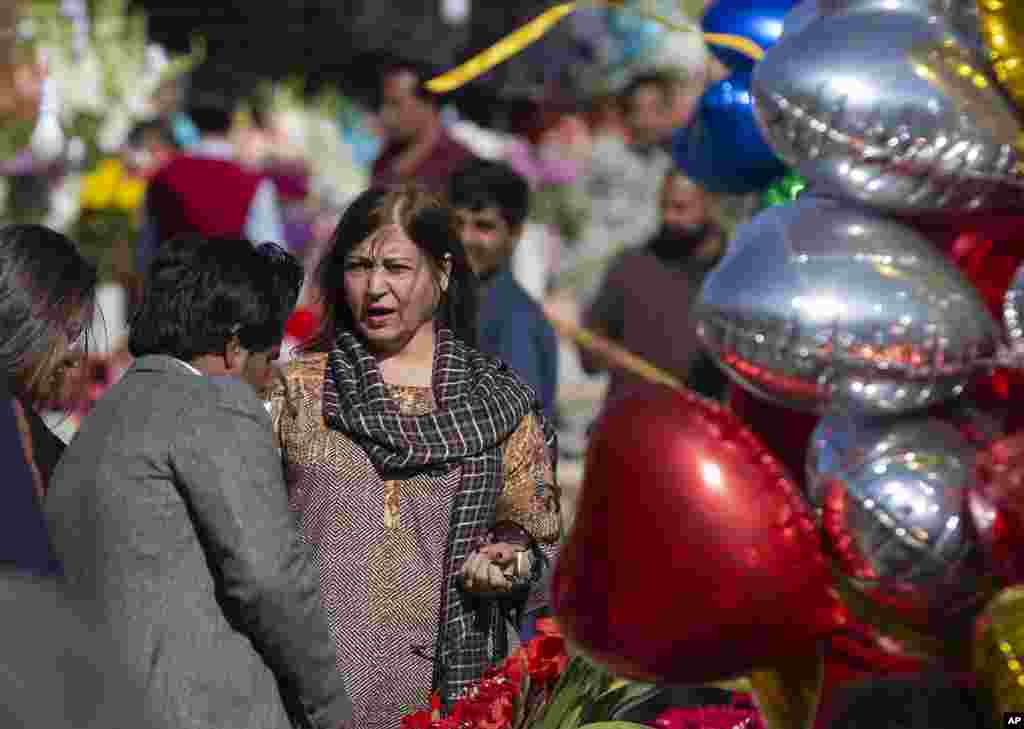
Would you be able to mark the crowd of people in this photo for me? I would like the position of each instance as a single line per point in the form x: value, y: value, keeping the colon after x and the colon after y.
x: 340, y: 523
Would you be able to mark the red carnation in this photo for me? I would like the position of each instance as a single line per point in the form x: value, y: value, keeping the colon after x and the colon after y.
x: 302, y: 324
x: 419, y: 720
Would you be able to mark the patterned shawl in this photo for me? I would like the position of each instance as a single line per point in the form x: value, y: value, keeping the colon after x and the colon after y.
x: 480, y: 403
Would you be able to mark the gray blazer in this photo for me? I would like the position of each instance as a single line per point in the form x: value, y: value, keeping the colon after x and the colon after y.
x: 169, y: 514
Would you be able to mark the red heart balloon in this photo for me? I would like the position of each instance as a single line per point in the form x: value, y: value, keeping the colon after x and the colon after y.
x: 693, y: 557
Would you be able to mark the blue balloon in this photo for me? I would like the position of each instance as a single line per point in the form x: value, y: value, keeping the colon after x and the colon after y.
x: 722, y: 147
x: 758, y: 20
x: 803, y: 14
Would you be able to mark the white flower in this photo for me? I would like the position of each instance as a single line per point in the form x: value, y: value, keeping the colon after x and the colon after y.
x: 117, y: 125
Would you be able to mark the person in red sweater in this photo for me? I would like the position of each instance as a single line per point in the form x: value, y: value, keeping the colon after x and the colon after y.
x: 417, y: 148
x: 986, y: 248
x: 206, y: 191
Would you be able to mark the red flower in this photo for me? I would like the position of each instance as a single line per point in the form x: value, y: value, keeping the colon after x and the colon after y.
x: 514, y: 668
x: 302, y: 324
x: 546, y: 658
x: 710, y: 717
x: 548, y: 626
x: 419, y: 720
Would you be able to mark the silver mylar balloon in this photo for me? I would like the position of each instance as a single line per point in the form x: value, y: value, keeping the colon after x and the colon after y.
x: 802, y: 14
x: 894, y: 511
x: 843, y: 444
x: 819, y: 306
x: 1013, y: 316
x: 962, y: 15
x: 892, y: 103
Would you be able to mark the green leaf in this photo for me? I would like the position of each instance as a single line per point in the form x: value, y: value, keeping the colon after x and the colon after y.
x: 614, y: 725
x: 573, y: 720
x: 623, y: 696
x: 569, y: 692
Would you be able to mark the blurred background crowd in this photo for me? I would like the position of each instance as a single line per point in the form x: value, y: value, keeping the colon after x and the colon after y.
x: 586, y: 119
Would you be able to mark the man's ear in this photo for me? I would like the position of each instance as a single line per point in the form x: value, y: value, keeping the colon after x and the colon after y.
x: 446, y: 272
x: 234, y: 354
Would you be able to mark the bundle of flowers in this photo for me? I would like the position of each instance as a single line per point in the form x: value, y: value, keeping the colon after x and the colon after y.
x: 540, y: 686
x: 507, y: 693
x: 105, y: 72
x: 307, y: 128
x: 108, y: 222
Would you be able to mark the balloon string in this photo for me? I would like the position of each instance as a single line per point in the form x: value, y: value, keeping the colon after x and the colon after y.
x: 504, y: 49
x: 531, y: 32
x: 737, y: 43
x: 613, y: 353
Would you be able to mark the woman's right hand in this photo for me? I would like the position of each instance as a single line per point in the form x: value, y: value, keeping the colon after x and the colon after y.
x: 491, y: 569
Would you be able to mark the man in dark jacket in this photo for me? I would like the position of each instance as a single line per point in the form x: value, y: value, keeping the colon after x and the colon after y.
x: 169, y: 510
x: 491, y: 203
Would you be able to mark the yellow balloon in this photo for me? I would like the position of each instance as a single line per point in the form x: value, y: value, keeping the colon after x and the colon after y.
x: 1002, y: 27
x: 787, y: 695
x: 999, y: 652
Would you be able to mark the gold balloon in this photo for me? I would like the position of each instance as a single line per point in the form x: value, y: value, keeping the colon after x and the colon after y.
x: 999, y: 652
x: 787, y: 695
x: 1002, y: 27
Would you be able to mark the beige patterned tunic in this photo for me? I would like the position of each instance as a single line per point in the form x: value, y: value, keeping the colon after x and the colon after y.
x: 380, y: 544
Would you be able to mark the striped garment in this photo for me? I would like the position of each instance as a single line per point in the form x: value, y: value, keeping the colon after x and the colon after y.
x: 390, y: 537
x: 480, y: 402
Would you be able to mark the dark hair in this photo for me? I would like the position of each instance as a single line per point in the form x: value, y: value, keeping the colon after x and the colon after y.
x: 210, y: 106
x: 485, y: 183
x: 210, y: 118
x: 199, y: 293
x: 286, y: 278
x: 430, y: 224
x: 46, y: 285
x: 160, y: 127
x: 920, y: 702
x: 421, y: 71
x: 657, y: 79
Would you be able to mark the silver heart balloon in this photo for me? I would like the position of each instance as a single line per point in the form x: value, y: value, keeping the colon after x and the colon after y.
x: 893, y: 104
x: 1013, y: 318
x: 818, y: 306
x: 802, y: 14
x: 962, y: 15
x: 842, y: 444
x: 894, y: 512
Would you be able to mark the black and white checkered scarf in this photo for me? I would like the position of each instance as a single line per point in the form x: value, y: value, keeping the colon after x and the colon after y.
x: 479, y: 404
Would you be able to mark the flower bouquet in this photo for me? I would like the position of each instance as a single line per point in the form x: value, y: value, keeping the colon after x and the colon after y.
x: 109, y: 217
x: 541, y: 687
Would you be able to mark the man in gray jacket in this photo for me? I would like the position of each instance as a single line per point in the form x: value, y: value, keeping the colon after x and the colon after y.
x: 169, y: 510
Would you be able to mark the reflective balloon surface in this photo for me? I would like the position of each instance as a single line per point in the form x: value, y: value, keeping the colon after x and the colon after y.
x: 894, y: 515
x: 722, y: 148
x: 841, y: 443
x: 680, y: 564
x: 819, y: 306
x: 999, y: 653
x: 1013, y: 315
x: 799, y: 17
x: 757, y: 20
x: 888, y: 103
x: 1002, y: 28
